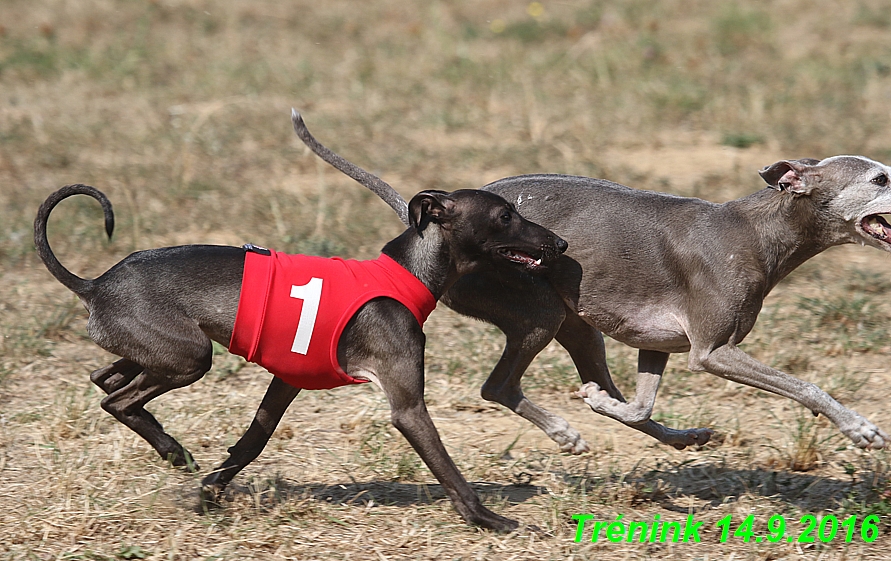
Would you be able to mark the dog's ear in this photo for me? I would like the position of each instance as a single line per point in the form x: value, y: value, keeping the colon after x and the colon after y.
x: 795, y: 176
x: 428, y: 206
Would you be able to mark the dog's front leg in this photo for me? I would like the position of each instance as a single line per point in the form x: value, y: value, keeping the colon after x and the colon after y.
x: 405, y: 392
x: 385, y: 340
x: 730, y: 362
x: 503, y: 386
x: 529, y: 313
x: 279, y: 396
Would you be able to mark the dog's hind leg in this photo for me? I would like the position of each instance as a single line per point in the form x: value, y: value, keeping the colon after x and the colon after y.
x: 279, y: 396
x: 117, y: 375
x: 651, y: 364
x: 171, y: 356
x: 127, y: 406
x: 585, y: 345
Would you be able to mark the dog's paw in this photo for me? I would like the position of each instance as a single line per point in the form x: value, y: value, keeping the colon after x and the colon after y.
x: 575, y: 445
x: 183, y: 459
x: 212, y: 496
x: 691, y: 437
x: 485, y: 518
x: 599, y: 400
x: 590, y: 390
x: 595, y: 396
x: 566, y: 437
x: 867, y: 436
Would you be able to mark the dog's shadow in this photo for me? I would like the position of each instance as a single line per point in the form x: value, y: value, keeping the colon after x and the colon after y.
x: 715, y: 484
x: 270, y: 492
x: 671, y: 489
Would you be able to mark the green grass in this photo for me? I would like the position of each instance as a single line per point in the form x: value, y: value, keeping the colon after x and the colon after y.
x: 855, y: 320
x: 741, y: 140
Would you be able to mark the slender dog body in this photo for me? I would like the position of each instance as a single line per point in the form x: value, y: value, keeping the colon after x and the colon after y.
x: 664, y: 274
x: 668, y: 258
x: 669, y: 274
x: 160, y: 309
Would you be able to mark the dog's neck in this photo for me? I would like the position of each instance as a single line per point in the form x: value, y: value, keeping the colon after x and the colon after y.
x: 426, y: 255
x: 790, y: 230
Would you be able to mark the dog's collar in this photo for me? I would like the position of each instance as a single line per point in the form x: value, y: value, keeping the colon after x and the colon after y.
x: 256, y: 249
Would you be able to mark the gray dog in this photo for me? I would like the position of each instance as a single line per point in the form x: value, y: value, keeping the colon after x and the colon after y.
x: 663, y: 274
x: 160, y: 309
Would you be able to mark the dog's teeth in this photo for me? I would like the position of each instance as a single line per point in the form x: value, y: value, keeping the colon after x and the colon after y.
x: 538, y: 261
x: 874, y: 226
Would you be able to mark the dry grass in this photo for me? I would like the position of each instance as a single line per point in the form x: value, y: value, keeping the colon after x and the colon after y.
x: 178, y: 110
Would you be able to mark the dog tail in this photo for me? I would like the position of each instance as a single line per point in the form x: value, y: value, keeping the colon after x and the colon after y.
x: 377, y: 185
x: 73, y: 282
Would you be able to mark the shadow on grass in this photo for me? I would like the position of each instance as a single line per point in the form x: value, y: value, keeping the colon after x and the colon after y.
x: 716, y: 484
x: 386, y: 493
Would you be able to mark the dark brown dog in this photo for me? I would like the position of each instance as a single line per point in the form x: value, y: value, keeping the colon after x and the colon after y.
x: 160, y: 309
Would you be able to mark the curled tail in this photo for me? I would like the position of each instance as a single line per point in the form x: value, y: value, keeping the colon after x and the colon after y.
x: 377, y: 185
x: 73, y: 282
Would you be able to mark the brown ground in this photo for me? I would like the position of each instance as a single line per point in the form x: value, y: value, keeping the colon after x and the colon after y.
x: 178, y: 110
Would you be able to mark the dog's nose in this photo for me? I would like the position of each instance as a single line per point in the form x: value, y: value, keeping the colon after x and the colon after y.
x: 561, y: 245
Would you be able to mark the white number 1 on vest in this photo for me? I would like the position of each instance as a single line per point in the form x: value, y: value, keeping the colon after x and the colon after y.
x: 310, y: 293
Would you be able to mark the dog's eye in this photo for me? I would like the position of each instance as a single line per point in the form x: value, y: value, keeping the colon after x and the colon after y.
x: 881, y: 180
x: 505, y: 216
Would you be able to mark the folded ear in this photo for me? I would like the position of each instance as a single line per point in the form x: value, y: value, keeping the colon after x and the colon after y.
x: 428, y: 206
x: 795, y: 176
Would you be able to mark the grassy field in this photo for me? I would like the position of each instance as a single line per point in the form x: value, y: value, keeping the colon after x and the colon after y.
x: 179, y: 111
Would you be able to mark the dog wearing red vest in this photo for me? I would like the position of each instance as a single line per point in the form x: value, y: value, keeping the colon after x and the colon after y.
x: 160, y: 310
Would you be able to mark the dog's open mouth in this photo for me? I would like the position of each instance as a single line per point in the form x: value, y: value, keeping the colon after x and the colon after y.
x: 521, y: 258
x: 876, y: 226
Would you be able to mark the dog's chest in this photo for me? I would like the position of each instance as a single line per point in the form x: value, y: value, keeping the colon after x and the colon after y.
x: 293, y: 309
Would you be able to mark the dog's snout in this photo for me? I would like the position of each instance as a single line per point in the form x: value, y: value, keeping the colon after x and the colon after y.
x: 562, y: 245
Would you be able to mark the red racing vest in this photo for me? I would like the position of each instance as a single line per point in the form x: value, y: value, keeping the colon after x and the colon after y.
x: 293, y: 308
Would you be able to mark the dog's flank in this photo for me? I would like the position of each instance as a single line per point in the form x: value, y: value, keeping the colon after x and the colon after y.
x: 160, y: 309
x: 693, y: 279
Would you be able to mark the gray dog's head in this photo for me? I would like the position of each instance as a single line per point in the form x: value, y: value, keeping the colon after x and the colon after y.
x: 854, y: 190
